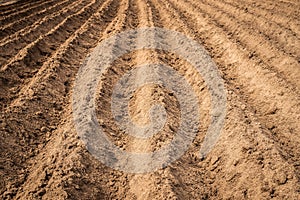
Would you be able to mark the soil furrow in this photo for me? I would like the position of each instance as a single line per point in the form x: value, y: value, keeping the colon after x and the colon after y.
x: 46, y: 46
x: 14, y: 27
x: 15, y: 42
x: 14, y: 17
x: 286, y: 148
x: 171, y: 176
x: 144, y: 186
x: 257, y: 45
x: 193, y: 185
x: 291, y: 11
x: 31, y: 57
x: 58, y: 74
x: 275, y: 34
x: 18, y: 5
x: 258, y: 89
x: 105, y: 182
x: 286, y: 23
x: 130, y: 21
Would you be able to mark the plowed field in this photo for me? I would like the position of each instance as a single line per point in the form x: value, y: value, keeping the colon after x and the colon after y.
x: 255, y: 46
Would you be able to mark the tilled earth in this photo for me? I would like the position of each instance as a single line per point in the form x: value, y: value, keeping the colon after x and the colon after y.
x: 256, y: 47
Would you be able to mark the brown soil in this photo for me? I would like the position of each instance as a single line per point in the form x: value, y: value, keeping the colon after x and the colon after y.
x: 256, y: 46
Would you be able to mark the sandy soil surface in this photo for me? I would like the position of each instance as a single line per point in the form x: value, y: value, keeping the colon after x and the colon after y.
x: 256, y: 47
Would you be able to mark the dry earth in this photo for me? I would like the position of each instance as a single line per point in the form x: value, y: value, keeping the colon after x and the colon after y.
x: 256, y: 47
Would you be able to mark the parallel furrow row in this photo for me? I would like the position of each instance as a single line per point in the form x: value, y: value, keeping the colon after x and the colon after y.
x: 14, y: 17
x: 199, y: 185
x: 103, y: 23
x: 26, y: 63
x: 255, y: 87
x: 256, y: 45
x: 272, y: 18
x: 142, y: 11
x: 17, y: 25
x: 276, y: 34
x: 281, y: 9
x: 17, y: 6
x: 62, y: 64
x: 15, y: 42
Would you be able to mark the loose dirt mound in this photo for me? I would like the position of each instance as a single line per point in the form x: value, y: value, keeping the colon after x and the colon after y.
x: 256, y: 47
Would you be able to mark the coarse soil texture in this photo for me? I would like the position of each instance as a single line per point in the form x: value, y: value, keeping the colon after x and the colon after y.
x: 255, y: 46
